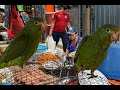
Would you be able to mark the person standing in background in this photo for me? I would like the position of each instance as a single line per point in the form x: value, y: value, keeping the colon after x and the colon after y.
x: 60, y: 20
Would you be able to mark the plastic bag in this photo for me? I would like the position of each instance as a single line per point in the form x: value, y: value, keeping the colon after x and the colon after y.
x: 51, y: 44
x: 16, y: 23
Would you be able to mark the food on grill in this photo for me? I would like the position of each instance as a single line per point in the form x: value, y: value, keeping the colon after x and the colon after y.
x: 52, y: 65
x: 3, y: 76
x: 31, y: 75
x: 47, y: 58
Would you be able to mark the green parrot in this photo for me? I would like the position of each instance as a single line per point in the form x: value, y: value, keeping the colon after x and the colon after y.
x: 92, y: 49
x: 24, y: 45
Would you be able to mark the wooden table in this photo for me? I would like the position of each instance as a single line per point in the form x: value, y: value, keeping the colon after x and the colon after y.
x: 114, y: 82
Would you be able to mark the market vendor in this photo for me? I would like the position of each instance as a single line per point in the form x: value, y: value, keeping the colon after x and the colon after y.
x: 72, y: 44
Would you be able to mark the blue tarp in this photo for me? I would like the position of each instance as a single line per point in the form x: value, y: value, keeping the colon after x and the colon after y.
x: 110, y: 67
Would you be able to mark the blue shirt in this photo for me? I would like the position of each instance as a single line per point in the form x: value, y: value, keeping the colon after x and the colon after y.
x: 73, y: 48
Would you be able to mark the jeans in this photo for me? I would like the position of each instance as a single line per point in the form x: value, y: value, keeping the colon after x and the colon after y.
x: 63, y: 36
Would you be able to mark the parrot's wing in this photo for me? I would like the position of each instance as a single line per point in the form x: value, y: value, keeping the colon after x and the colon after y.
x: 15, y: 49
x: 82, y: 42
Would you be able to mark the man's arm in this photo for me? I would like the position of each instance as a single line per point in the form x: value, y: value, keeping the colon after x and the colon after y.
x: 65, y: 53
x: 68, y: 25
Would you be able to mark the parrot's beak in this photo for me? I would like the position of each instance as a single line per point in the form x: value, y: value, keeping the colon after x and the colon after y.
x: 115, y: 36
x: 44, y: 26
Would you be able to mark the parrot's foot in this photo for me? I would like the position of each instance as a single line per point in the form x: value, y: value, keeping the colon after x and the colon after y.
x: 92, y: 76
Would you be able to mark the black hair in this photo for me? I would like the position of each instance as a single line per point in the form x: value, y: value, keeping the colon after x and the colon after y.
x: 2, y: 10
x: 76, y: 32
x: 65, y: 7
x: 1, y: 38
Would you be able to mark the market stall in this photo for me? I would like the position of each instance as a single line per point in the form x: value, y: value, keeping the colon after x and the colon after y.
x: 43, y: 68
x: 47, y: 69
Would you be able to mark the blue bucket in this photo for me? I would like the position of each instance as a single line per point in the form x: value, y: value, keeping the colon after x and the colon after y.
x: 41, y: 47
x: 110, y: 67
x: 5, y: 83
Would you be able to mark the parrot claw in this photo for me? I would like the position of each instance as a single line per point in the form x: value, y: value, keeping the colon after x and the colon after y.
x: 92, y: 76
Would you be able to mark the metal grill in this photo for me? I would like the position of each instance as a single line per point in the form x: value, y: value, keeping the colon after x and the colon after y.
x: 28, y: 75
x: 33, y: 73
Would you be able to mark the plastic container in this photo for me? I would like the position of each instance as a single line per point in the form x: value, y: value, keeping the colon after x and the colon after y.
x: 49, y: 8
x: 41, y: 48
x: 20, y: 7
x: 5, y: 83
x: 110, y: 67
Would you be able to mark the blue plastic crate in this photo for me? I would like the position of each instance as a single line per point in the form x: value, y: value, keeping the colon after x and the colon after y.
x: 110, y: 67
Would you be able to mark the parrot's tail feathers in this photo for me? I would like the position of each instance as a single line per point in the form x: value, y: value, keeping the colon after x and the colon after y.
x: 18, y: 61
x: 2, y: 65
x: 81, y: 69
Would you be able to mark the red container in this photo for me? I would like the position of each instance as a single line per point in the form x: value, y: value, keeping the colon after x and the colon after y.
x: 48, y: 18
x: 49, y: 8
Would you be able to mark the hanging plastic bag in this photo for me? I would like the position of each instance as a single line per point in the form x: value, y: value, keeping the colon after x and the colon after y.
x: 16, y: 23
x: 51, y: 44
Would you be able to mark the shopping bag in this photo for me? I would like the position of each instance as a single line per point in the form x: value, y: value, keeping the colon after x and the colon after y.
x: 51, y: 44
x: 16, y: 23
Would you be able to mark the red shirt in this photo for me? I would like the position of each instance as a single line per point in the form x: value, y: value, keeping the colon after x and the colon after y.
x: 60, y: 21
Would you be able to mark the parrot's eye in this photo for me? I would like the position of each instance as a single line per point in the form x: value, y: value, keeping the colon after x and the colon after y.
x: 36, y: 22
x: 108, y: 30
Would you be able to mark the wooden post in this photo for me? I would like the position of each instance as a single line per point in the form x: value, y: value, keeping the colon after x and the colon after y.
x: 88, y: 20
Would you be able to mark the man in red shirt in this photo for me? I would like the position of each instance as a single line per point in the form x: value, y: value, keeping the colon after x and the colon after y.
x: 60, y: 20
